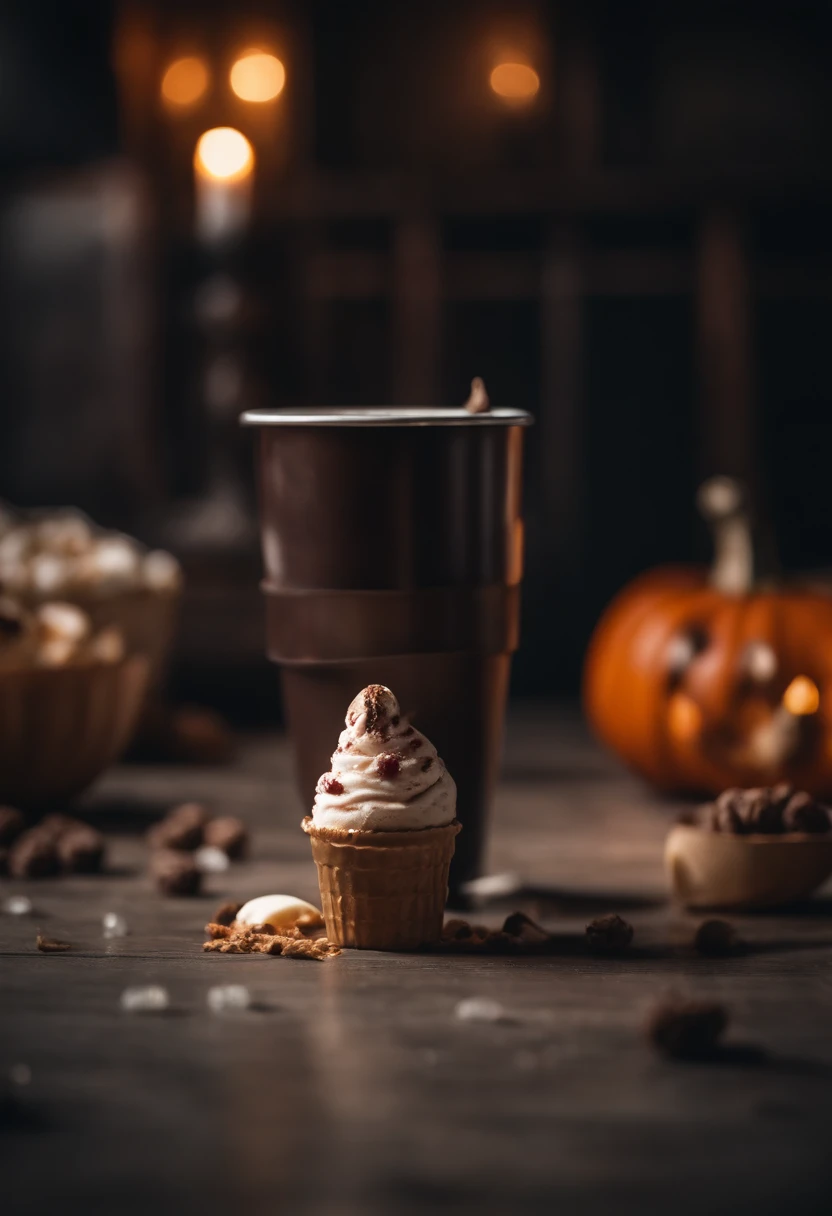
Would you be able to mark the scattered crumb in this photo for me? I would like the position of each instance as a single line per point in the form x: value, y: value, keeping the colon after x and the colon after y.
x: 716, y: 939
x: 48, y: 946
x: 686, y: 1029
x: 262, y: 939
x: 609, y: 934
x: 519, y: 935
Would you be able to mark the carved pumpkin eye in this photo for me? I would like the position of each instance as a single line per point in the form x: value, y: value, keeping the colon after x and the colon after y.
x: 759, y: 662
x: 683, y: 648
x: 802, y: 697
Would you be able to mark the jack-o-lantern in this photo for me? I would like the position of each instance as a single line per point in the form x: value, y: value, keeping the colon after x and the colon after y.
x: 701, y: 680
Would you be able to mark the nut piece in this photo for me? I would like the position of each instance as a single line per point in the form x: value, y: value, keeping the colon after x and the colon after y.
x: 48, y: 946
x: 33, y: 855
x: 686, y: 1030
x: 175, y: 873
x: 609, y: 934
x: 182, y: 828
x: 12, y: 824
x: 229, y: 834
x: 716, y: 939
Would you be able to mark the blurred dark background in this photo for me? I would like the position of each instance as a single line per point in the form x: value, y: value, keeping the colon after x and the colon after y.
x: 626, y: 233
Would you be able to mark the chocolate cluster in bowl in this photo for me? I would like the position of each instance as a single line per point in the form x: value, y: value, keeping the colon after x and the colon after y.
x: 765, y: 811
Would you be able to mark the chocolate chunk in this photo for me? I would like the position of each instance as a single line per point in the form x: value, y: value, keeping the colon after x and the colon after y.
x: 12, y: 824
x: 716, y: 938
x: 182, y: 828
x: 175, y: 873
x: 686, y: 1030
x: 226, y: 914
x: 55, y: 826
x: 803, y: 814
x: 33, y: 855
x: 526, y: 930
x: 609, y: 934
x: 81, y: 850
x: 229, y: 834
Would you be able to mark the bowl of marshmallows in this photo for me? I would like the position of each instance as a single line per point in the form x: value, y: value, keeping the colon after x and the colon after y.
x: 86, y: 622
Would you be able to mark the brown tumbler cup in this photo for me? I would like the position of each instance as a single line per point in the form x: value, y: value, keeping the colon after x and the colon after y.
x: 393, y: 552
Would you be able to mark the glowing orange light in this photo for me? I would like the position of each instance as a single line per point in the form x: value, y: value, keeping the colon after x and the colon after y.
x: 224, y: 155
x: 184, y: 82
x: 257, y: 76
x: 684, y: 717
x: 802, y: 697
x: 515, y: 83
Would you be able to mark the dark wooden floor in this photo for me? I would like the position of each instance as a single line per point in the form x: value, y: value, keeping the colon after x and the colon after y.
x: 352, y: 1090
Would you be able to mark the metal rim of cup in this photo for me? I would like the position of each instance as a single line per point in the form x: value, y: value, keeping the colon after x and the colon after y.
x: 384, y: 416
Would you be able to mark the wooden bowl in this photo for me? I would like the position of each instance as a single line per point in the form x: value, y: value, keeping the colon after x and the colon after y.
x: 722, y: 870
x: 62, y: 726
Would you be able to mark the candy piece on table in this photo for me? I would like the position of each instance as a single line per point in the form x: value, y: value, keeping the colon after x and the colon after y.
x: 113, y: 925
x: 12, y: 824
x: 175, y: 873
x: 81, y: 850
x: 479, y: 1009
x: 609, y: 934
x: 151, y: 999
x: 211, y: 860
x: 49, y: 945
x: 716, y: 939
x: 182, y: 828
x: 229, y: 834
x: 686, y: 1029
x: 224, y: 998
x: 17, y: 905
x: 279, y: 911
x: 33, y: 855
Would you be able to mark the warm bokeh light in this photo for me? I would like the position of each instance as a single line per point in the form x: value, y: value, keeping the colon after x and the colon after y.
x: 516, y: 83
x: 257, y: 76
x: 224, y: 154
x: 802, y: 697
x: 185, y: 81
x: 684, y: 718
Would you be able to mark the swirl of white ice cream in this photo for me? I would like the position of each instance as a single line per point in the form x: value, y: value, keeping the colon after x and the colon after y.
x: 385, y: 775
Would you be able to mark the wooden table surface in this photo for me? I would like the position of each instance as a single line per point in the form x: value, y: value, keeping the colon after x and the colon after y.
x: 351, y: 1089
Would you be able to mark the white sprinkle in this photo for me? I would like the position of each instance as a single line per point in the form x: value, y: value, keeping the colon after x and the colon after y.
x: 17, y: 905
x: 113, y: 925
x: 228, y: 996
x: 151, y: 999
x: 20, y: 1074
x: 479, y: 1009
x: 211, y: 860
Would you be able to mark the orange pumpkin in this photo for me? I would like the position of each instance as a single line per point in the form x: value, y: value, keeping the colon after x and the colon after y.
x: 700, y: 680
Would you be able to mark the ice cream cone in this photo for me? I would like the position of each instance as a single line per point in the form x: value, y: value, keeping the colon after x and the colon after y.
x: 383, y: 890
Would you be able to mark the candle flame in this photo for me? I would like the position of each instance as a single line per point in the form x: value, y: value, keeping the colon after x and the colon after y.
x: 256, y: 76
x: 224, y: 154
x: 802, y: 697
x: 515, y: 83
x: 184, y: 81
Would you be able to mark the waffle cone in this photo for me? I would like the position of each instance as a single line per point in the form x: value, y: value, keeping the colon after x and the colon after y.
x: 383, y: 890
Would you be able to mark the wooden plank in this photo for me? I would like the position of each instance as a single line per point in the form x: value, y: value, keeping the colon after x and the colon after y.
x: 351, y: 1087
